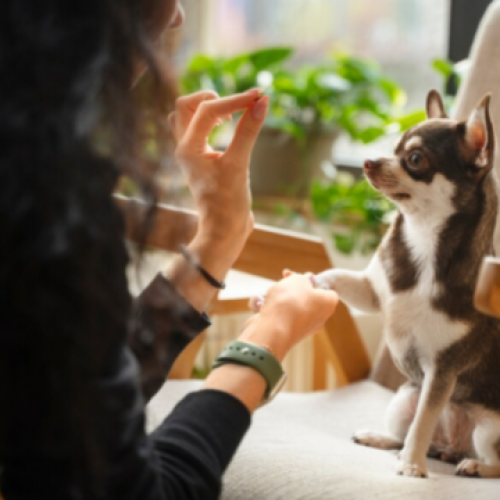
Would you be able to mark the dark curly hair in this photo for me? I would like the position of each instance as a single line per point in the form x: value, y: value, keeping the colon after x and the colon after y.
x: 69, y: 128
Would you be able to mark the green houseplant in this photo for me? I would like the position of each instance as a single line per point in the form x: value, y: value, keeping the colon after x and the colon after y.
x: 309, y: 106
x: 357, y: 214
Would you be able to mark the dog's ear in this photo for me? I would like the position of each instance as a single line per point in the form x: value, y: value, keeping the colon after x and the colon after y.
x: 434, y: 105
x: 479, y: 132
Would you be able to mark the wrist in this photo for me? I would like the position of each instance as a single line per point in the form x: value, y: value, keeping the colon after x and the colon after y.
x: 259, y: 358
x: 243, y: 382
x: 216, y: 256
x: 272, y: 334
x: 228, y: 236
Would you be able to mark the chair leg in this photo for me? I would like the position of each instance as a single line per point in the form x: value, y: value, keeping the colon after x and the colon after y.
x: 325, y: 353
x: 319, y: 362
x: 344, y: 349
x: 184, y: 364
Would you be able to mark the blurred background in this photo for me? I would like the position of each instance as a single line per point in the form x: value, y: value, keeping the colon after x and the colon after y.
x: 404, y: 36
x: 345, y: 78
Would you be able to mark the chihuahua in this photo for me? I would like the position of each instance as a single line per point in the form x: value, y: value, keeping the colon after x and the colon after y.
x: 422, y: 279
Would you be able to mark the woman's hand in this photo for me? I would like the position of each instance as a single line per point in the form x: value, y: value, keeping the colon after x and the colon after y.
x: 219, y: 180
x: 292, y: 310
x: 219, y: 183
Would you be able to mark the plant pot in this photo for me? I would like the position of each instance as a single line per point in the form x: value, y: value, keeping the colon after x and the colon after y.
x: 280, y: 166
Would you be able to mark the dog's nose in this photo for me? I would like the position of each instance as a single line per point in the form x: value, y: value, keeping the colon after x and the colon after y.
x: 370, y: 165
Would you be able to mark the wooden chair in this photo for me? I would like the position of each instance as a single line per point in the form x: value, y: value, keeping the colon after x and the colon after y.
x: 267, y: 252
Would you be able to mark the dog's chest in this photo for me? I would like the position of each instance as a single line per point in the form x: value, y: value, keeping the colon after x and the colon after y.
x: 415, y: 331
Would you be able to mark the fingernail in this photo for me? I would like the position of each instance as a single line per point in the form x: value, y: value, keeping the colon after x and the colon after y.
x: 213, y: 95
x: 254, y: 91
x: 260, y: 108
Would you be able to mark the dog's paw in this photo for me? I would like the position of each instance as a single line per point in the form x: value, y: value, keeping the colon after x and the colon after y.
x: 255, y: 304
x: 411, y: 469
x: 325, y: 280
x: 469, y: 468
x: 376, y: 440
x: 474, y: 468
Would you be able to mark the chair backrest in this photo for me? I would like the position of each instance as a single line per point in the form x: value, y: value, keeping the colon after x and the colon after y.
x: 267, y: 251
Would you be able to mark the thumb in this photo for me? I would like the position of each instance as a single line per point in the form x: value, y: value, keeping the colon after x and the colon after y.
x: 247, y: 131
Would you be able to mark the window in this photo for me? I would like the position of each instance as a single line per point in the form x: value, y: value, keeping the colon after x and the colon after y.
x: 404, y: 36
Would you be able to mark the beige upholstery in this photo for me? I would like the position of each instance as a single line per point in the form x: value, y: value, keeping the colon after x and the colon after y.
x: 299, y: 447
x: 483, y: 77
x: 484, y: 72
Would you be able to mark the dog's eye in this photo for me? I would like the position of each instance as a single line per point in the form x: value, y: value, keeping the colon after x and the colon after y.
x: 415, y: 160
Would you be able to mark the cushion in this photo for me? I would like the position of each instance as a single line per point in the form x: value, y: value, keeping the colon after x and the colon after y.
x: 299, y: 447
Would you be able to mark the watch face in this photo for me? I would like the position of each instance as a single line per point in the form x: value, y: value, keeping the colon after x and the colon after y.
x: 277, y: 388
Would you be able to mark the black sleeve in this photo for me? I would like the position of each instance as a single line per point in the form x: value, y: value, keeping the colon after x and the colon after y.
x: 195, y: 444
x: 184, y: 458
x: 164, y: 323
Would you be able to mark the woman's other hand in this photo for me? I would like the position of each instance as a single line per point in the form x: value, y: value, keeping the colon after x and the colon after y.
x: 291, y: 310
x: 219, y: 181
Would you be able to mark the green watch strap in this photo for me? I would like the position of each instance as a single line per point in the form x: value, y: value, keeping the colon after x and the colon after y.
x: 259, y: 358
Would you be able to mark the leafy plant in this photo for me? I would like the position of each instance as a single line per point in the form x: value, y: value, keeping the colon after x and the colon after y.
x: 344, y: 92
x: 358, y: 214
x: 451, y: 74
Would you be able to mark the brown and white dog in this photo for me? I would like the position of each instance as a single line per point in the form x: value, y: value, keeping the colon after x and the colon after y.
x: 422, y: 279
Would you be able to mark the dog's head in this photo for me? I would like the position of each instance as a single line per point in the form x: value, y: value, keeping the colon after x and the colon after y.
x: 438, y: 161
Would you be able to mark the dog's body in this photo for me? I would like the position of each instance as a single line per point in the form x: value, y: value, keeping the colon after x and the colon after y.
x: 422, y: 279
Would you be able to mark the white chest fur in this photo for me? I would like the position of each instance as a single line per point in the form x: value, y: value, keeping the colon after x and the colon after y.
x: 409, y: 317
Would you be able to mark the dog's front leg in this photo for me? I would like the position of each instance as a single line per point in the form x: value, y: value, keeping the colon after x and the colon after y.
x: 353, y: 287
x: 436, y: 392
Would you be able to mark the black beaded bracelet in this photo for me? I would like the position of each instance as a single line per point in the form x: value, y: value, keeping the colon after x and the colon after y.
x: 194, y: 262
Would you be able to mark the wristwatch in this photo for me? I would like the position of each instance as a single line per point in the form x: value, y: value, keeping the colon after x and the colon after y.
x: 258, y: 358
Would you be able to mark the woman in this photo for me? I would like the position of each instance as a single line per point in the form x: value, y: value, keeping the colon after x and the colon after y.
x: 71, y: 417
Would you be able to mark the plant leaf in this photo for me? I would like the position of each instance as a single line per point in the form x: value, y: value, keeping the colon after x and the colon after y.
x: 411, y: 119
x: 265, y: 58
x: 233, y: 64
x: 396, y: 95
x: 345, y: 243
x: 443, y: 67
x: 201, y: 62
x: 333, y: 82
x: 370, y: 134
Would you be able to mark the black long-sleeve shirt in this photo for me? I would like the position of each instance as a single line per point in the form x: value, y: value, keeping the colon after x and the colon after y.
x: 185, y: 457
